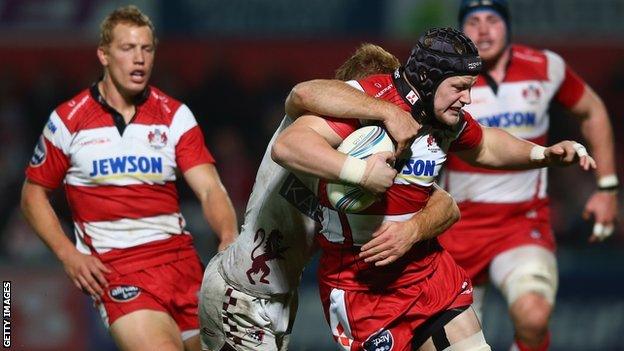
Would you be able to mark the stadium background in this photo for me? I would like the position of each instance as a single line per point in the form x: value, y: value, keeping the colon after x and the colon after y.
x: 233, y: 62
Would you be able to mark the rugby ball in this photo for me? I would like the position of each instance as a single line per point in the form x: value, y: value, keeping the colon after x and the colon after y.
x: 361, y: 144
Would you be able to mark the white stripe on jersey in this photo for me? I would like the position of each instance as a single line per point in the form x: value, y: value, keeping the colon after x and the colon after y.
x: 496, y: 187
x: 105, y: 234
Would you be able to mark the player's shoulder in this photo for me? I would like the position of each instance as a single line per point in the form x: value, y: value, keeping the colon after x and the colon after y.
x: 162, y: 103
x: 377, y: 85
x: 73, y: 109
x: 529, y: 63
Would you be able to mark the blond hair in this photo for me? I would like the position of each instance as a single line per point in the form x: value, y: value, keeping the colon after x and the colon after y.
x: 368, y: 59
x: 128, y: 15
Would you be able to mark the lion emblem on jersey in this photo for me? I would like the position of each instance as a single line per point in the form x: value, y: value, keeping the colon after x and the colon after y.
x: 157, y: 139
x: 272, y: 251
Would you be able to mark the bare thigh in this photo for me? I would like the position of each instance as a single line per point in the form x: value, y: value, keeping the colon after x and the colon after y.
x: 146, y: 330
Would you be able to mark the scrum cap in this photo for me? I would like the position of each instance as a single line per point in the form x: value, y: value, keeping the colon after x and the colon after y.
x: 439, y: 54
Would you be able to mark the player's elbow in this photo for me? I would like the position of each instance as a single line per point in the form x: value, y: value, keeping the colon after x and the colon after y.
x: 299, y: 98
x: 279, y: 151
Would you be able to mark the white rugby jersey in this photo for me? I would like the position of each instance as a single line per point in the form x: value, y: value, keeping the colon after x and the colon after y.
x: 520, y: 106
x: 343, y: 233
x: 276, y: 239
x: 119, y: 179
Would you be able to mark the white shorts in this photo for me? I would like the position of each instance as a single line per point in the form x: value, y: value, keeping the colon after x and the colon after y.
x: 243, y: 322
x: 527, y: 268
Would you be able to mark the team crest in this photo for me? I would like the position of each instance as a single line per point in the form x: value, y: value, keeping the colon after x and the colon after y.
x: 272, y: 251
x: 39, y: 155
x: 157, y: 139
x: 380, y: 341
x: 531, y: 94
x: 432, y: 143
x: 124, y: 293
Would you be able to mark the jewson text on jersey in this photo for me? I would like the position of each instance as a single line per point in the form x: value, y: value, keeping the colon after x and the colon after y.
x: 419, y: 167
x: 126, y: 164
x: 509, y: 119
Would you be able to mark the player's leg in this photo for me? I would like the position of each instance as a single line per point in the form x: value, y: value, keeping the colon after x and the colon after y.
x: 232, y: 320
x: 457, y: 329
x: 146, y: 330
x: 527, y: 278
x: 192, y: 343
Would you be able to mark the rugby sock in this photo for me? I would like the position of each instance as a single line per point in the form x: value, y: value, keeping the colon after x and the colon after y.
x: 518, y: 345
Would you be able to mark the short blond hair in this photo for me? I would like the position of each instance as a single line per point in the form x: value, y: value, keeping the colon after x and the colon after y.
x: 128, y: 15
x: 368, y: 59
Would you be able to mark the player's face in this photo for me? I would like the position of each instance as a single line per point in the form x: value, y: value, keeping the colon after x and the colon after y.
x: 489, y: 33
x: 129, y: 58
x: 452, y: 94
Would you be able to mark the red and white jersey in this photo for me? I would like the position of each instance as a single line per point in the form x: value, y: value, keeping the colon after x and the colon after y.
x: 119, y: 179
x: 520, y: 106
x: 276, y: 240
x: 343, y: 233
x: 505, y: 209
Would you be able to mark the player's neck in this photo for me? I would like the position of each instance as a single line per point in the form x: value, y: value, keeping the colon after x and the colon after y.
x: 122, y: 103
x: 497, y: 68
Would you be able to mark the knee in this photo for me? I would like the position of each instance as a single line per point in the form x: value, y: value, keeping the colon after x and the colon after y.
x: 531, y: 313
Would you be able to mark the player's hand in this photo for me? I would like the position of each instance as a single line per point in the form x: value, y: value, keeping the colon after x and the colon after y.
x: 391, y: 241
x: 87, y: 273
x: 568, y: 152
x: 402, y: 127
x: 603, y: 207
x: 379, y: 174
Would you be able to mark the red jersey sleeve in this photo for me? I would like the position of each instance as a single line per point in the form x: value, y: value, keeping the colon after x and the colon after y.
x: 191, y: 150
x: 571, y: 89
x: 469, y: 137
x: 343, y: 127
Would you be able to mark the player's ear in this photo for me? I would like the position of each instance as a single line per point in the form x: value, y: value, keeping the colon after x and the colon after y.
x: 102, y: 54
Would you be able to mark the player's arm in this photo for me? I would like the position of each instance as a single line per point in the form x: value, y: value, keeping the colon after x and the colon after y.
x: 393, y: 239
x: 596, y: 129
x: 340, y: 100
x: 215, y: 202
x: 85, y: 271
x: 500, y: 150
x: 308, y: 145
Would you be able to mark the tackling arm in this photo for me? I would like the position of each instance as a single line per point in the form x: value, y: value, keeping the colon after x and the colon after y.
x: 340, y: 100
x: 307, y: 146
x: 215, y: 202
x: 394, y: 239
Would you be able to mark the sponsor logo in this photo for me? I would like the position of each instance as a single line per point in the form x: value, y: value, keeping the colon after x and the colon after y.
x: 377, y: 85
x: 157, y: 139
x: 383, y: 91
x: 256, y: 335
x: 381, y: 341
x: 125, y: 165
x: 509, y: 120
x: 124, y: 293
x: 96, y: 141
x: 76, y: 107
x: 419, y: 167
x: 39, y: 155
x: 412, y: 97
x: 51, y: 126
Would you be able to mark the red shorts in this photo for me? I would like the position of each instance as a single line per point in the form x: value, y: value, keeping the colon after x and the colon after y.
x: 475, y: 240
x: 171, y: 287
x: 363, y: 320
